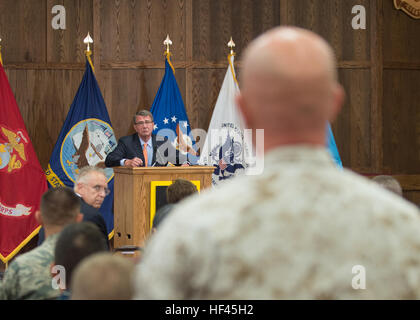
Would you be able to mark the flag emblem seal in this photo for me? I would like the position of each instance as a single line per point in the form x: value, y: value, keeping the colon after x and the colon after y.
x: 12, y: 150
x: 87, y: 144
x: 228, y: 155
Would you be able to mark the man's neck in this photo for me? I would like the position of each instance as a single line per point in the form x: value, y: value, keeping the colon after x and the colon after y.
x: 145, y: 139
x: 51, y: 230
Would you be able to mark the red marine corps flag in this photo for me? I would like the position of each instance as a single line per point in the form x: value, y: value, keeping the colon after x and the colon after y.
x: 22, y: 180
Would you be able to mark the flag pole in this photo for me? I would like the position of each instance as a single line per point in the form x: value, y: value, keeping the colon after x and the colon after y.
x: 231, y: 45
x: 88, y: 40
x: 1, y: 61
x: 167, y: 53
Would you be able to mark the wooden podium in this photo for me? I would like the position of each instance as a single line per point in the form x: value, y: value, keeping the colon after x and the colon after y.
x: 133, y: 197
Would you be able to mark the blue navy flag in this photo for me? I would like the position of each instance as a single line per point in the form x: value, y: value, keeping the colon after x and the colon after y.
x: 85, y: 139
x: 170, y: 117
x: 332, y: 147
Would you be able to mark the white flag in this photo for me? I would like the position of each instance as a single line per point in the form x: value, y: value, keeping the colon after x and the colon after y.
x: 224, y: 146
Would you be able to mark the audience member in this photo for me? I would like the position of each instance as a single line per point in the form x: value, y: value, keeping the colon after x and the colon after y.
x: 175, y: 192
x: 389, y: 183
x: 75, y: 243
x: 103, y: 276
x: 303, y: 229
x: 92, y: 188
x: 28, y: 276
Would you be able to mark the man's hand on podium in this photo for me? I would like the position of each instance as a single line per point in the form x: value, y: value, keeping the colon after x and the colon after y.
x: 135, y: 162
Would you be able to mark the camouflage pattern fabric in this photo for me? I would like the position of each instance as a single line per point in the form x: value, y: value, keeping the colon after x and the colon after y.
x: 28, y: 276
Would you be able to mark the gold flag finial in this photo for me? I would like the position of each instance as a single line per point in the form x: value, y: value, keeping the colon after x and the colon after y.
x: 88, y: 40
x: 167, y: 43
x: 231, y: 45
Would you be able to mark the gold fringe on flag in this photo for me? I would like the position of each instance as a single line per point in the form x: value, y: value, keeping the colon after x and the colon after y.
x: 88, y: 54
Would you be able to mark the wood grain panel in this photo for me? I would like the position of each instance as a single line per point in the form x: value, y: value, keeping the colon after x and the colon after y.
x: 135, y: 30
x: 400, y: 35
x: 352, y: 127
x: 206, y: 89
x: 67, y: 45
x: 401, y: 121
x: 332, y: 20
x: 23, y: 30
x: 214, y: 22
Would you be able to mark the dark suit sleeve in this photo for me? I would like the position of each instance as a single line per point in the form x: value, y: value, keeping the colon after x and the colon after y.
x: 120, y: 152
x: 100, y: 222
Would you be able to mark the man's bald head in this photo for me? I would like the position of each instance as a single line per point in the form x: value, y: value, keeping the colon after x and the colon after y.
x: 289, y: 86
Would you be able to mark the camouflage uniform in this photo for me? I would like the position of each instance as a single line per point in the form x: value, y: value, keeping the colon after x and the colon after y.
x: 294, y: 232
x: 28, y: 277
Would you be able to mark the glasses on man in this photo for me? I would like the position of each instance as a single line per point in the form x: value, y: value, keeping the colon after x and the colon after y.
x: 140, y: 123
x: 98, y: 188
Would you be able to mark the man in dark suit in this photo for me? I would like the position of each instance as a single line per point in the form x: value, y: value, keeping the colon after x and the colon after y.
x: 92, y: 188
x: 143, y: 149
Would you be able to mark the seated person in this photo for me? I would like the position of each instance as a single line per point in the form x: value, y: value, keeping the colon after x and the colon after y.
x: 92, y: 188
x: 76, y: 242
x: 28, y: 276
x: 177, y: 191
x: 141, y: 149
x: 103, y: 276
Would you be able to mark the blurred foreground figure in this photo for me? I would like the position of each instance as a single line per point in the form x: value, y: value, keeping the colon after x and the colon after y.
x: 303, y: 229
x: 389, y: 183
x: 103, y: 276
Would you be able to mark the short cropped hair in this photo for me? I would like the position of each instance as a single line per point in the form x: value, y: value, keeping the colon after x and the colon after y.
x: 143, y: 113
x: 180, y: 189
x: 59, y: 206
x: 85, y: 171
x: 389, y: 183
x: 103, y: 276
x: 76, y: 242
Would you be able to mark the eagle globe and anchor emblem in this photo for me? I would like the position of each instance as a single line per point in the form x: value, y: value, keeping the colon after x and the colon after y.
x: 87, y: 144
x: 12, y: 158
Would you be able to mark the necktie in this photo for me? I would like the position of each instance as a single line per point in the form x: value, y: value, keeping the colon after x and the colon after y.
x: 145, y: 154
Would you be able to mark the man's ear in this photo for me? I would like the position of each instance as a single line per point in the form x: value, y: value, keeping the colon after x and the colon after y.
x: 79, y: 217
x: 53, y: 274
x: 38, y: 216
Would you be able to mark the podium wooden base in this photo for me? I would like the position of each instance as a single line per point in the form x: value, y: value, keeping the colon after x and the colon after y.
x: 132, y: 198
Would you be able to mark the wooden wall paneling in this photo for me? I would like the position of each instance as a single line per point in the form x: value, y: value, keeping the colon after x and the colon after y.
x: 400, y: 35
x: 352, y: 127
x: 192, y: 112
x: 67, y: 45
x: 201, y: 27
x: 284, y: 12
x: 332, y: 20
x: 23, y: 30
x: 96, y: 32
x: 135, y: 30
x: 376, y: 28
x: 207, y: 84
x: 401, y: 121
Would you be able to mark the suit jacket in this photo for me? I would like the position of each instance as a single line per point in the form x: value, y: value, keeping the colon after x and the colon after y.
x: 90, y: 214
x: 129, y: 147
